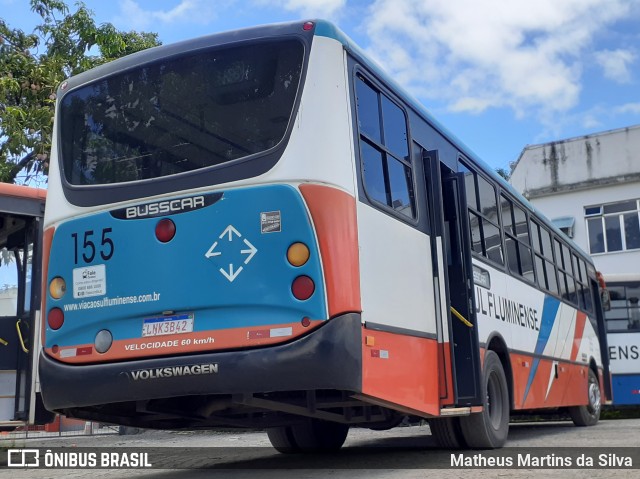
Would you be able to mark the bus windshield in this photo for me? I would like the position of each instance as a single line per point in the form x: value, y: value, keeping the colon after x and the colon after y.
x: 180, y: 114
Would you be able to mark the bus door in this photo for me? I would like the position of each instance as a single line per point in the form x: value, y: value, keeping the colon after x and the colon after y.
x: 451, y: 220
x: 601, y: 330
x: 19, y: 298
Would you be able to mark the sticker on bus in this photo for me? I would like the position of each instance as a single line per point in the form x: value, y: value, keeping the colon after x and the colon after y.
x: 270, y: 222
x: 162, y: 325
x: 89, y: 281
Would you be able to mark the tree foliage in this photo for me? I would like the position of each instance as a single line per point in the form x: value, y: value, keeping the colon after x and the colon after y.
x: 32, y: 65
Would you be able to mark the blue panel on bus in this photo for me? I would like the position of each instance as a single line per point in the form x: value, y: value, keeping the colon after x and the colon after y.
x: 227, y: 264
x: 626, y: 389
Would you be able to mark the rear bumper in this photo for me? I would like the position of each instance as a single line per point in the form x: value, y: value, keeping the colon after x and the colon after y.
x: 327, y: 358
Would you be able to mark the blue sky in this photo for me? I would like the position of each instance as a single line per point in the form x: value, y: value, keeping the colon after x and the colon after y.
x: 500, y: 74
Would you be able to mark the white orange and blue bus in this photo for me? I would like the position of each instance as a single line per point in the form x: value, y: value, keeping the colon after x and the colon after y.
x: 21, y: 220
x: 259, y: 228
x: 623, y: 337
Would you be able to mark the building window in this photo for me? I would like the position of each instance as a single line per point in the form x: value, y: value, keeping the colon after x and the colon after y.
x: 384, y: 150
x: 625, y: 311
x: 613, y: 227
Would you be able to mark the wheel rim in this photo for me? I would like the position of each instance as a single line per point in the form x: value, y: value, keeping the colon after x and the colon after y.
x: 494, y: 401
x: 594, y: 398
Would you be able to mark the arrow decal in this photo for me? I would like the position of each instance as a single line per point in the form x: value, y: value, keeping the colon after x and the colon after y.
x: 210, y: 253
x: 251, y: 251
x: 231, y: 275
x: 230, y: 230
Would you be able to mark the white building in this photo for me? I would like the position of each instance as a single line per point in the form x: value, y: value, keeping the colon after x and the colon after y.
x: 589, y: 187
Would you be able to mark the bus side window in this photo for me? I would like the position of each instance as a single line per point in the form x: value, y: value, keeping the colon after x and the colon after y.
x: 384, y: 147
x: 483, y: 215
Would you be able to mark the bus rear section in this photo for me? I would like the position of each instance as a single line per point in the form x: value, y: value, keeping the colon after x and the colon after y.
x: 196, y: 309
x: 202, y: 265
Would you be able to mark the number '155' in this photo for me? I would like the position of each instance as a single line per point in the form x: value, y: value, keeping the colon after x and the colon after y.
x: 88, y: 248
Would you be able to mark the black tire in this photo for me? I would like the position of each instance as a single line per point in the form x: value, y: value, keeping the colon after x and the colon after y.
x: 588, y: 415
x: 447, y: 433
x: 315, y: 435
x: 489, y: 429
x: 282, y: 439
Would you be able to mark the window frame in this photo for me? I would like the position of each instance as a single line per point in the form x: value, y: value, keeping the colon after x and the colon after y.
x: 590, y: 215
x: 478, y: 211
x: 385, y: 152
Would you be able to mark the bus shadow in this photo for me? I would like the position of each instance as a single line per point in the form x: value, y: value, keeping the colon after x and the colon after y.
x: 537, y: 430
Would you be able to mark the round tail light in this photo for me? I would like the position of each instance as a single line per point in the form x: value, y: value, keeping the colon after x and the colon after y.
x: 57, y: 287
x: 298, y: 254
x: 55, y: 318
x: 303, y: 287
x: 165, y: 230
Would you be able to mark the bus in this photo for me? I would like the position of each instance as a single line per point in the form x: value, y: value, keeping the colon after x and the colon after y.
x: 623, y: 337
x: 259, y: 228
x: 21, y: 220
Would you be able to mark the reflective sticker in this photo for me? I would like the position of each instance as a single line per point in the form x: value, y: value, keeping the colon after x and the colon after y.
x: 281, y: 332
x: 380, y: 353
x: 260, y: 334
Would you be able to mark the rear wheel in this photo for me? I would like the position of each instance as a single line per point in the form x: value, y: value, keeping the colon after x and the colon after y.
x: 447, y: 432
x: 590, y: 414
x: 282, y: 440
x: 315, y: 435
x: 312, y: 435
x: 489, y: 429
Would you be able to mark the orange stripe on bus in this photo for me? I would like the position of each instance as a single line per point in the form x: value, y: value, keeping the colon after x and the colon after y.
x: 581, y: 320
x: 402, y: 370
x: 47, y: 239
x: 334, y: 215
x: 172, y: 344
x: 556, y: 383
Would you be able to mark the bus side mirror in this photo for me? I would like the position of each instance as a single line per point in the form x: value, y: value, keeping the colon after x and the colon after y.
x: 605, y: 299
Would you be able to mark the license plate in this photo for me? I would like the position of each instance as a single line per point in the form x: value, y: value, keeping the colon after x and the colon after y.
x: 176, y: 324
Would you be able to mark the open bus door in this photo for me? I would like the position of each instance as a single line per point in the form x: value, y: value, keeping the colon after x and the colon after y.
x: 450, y: 218
x: 21, y: 213
x: 602, y: 301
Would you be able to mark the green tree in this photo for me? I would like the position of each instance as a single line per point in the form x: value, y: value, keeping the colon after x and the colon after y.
x: 504, y: 173
x: 32, y: 65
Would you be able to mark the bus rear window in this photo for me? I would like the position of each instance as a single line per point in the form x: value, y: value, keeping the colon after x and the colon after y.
x: 180, y: 114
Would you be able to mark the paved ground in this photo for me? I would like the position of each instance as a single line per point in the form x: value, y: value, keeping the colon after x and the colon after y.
x: 405, y: 452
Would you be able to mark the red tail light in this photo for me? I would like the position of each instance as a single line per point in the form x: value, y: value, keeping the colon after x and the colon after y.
x: 55, y: 318
x: 165, y: 230
x: 303, y: 287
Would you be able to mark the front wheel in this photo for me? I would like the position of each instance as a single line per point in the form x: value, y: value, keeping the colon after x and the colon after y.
x: 489, y: 429
x: 590, y: 414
